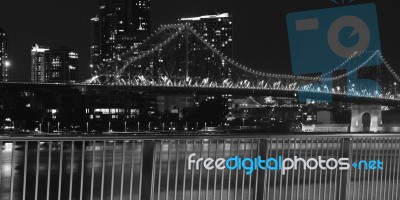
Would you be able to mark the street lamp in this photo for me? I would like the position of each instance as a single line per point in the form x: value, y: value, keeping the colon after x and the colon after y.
x: 243, y: 122
x: 7, y: 64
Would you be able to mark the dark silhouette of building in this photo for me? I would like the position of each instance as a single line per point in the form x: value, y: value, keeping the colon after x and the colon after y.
x: 4, y: 62
x: 117, y: 28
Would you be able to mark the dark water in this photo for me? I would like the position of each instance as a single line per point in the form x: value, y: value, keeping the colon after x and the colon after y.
x: 65, y: 177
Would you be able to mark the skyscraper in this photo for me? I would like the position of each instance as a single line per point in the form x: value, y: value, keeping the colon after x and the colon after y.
x: 54, y: 66
x: 95, y: 59
x: 117, y: 28
x: 4, y: 63
x: 137, y: 16
x: 61, y: 65
x: 216, y: 29
x: 38, y: 65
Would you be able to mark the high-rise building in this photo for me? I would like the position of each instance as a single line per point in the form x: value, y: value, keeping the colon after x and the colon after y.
x: 38, y: 64
x: 216, y: 29
x: 54, y: 66
x: 61, y: 65
x: 95, y: 59
x: 137, y: 16
x: 4, y: 63
x: 117, y: 28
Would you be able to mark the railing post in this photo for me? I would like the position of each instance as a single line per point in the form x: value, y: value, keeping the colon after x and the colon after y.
x: 346, y: 150
x: 260, y: 182
x: 148, y: 150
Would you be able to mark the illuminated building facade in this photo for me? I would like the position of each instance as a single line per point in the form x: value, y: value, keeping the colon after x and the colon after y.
x: 216, y: 29
x: 95, y: 51
x: 54, y: 66
x: 61, y: 65
x: 4, y: 63
x: 118, y: 27
x: 38, y: 64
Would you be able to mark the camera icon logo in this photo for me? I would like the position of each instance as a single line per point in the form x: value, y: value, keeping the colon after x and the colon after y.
x: 321, y: 40
x: 359, y: 27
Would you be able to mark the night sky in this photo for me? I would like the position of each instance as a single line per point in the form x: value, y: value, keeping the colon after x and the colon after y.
x: 260, y: 36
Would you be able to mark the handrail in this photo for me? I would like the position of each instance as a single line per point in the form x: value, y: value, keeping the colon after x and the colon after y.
x: 184, y: 137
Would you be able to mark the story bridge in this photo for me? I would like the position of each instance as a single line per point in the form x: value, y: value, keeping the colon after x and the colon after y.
x: 177, y: 59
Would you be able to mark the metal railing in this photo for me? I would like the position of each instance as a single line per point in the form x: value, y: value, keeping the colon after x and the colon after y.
x: 156, y: 167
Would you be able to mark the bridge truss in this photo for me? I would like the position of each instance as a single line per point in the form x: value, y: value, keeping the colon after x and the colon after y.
x: 178, y: 56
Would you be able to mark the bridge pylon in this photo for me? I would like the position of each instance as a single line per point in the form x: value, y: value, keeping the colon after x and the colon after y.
x: 366, y: 118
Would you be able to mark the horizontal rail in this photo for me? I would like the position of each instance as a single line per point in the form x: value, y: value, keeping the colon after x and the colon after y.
x: 45, y: 138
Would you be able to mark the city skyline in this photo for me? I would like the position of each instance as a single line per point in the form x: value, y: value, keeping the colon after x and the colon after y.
x: 75, y: 30
x: 211, y: 99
